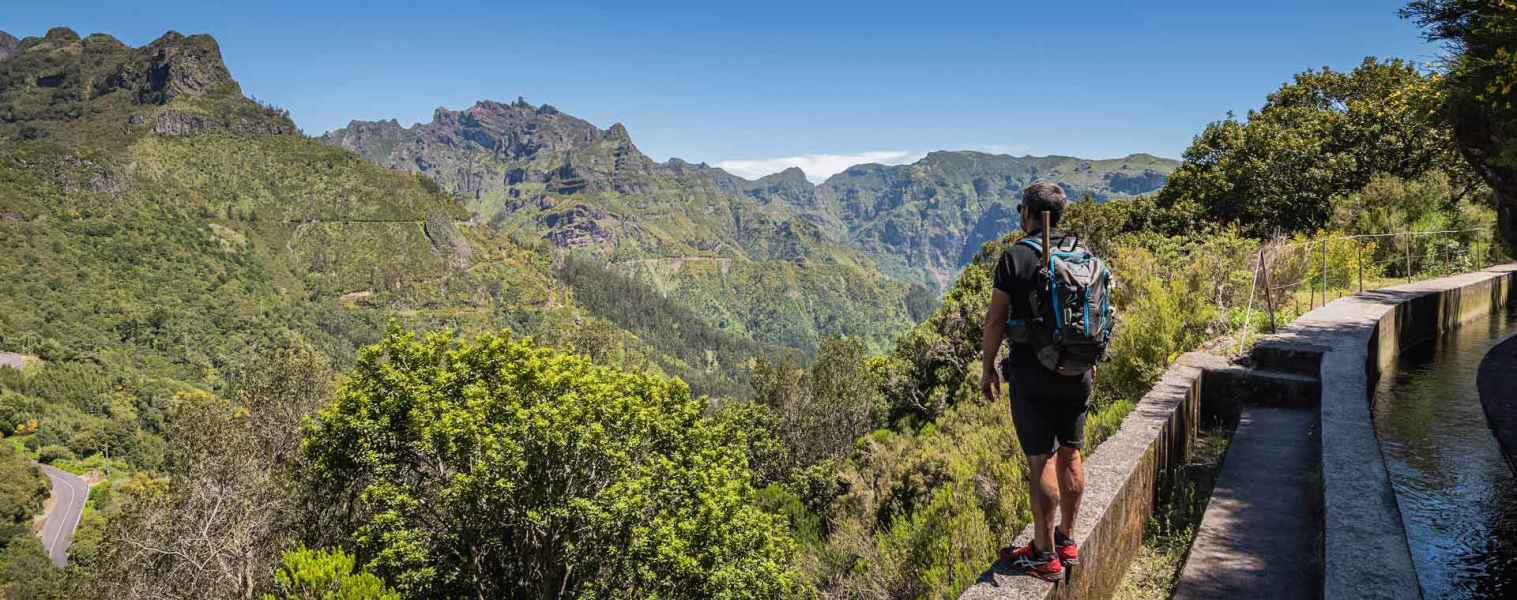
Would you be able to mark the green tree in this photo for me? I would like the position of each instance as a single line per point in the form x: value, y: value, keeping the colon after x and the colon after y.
x: 493, y: 467
x: 22, y: 490
x: 820, y: 410
x: 1324, y: 134
x: 26, y: 573
x: 306, y: 574
x: 1479, y: 100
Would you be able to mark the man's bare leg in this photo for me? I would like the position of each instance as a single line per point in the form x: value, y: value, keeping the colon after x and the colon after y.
x: 1071, y: 488
x: 1044, y: 484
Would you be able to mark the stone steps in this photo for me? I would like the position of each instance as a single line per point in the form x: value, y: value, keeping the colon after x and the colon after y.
x: 1260, y: 534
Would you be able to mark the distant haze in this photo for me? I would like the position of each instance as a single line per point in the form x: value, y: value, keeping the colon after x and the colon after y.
x: 817, y: 167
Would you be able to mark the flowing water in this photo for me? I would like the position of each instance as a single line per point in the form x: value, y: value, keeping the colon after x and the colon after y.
x: 1458, y: 497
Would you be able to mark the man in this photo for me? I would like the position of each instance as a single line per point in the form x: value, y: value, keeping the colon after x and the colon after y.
x: 1047, y: 409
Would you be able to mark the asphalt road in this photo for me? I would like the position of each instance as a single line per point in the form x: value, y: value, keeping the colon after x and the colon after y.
x: 69, y: 494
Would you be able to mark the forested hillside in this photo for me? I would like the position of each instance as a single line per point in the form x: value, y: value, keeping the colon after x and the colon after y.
x: 924, y: 221
x: 515, y: 358
x: 160, y: 230
x: 751, y: 269
x: 536, y: 169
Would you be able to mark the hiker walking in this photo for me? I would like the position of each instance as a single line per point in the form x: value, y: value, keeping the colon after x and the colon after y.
x: 1051, y: 302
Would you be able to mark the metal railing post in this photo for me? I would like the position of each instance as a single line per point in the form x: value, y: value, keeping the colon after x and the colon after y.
x: 1269, y: 300
x: 1359, y: 251
x: 1324, y: 272
x: 1408, y: 257
x: 1311, y: 286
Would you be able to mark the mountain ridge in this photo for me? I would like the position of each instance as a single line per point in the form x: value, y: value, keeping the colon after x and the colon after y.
x: 746, y: 261
x: 918, y: 222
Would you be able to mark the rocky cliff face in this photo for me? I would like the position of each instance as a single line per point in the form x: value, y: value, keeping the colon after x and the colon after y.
x: 9, y: 45
x: 534, y: 170
x: 64, y: 85
x: 926, y: 220
x: 501, y: 150
x: 919, y: 223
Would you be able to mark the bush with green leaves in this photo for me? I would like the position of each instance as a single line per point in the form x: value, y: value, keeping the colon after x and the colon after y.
x: 53, y: 454
x: 22, y: 491
x: 26, y: 572
x: 492, y: 467
x: 820, y: 410
x: 306, y: 574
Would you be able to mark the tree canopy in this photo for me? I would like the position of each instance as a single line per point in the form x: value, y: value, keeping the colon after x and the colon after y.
x: 1325, y: 133
x: 492, y: 467
x: 1478, y: 99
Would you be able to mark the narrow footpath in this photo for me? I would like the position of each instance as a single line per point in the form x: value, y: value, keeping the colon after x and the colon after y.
x: 1258, y: 537
x: 69, y: 494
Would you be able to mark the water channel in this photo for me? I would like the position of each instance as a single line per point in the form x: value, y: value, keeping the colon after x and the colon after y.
x: 1457, y: 496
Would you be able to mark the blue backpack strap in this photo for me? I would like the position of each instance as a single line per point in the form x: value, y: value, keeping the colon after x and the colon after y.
x: 1031, y: 242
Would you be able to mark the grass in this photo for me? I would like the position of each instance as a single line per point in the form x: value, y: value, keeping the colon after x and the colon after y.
x: 1169, y: 533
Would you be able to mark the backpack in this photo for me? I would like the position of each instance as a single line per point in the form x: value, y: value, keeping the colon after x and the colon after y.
x: 1072, y: 318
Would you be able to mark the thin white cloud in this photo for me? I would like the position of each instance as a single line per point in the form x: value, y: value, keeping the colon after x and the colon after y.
x: 818, y: 167
x: 1012, y: 149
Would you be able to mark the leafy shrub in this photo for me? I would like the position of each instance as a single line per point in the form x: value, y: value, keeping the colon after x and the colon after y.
x: 52, y: 454
x: 1323, y: 134
x: 22, y: 489
x: 325, y: 575
x: 822, y: 409
x: 551, y: 474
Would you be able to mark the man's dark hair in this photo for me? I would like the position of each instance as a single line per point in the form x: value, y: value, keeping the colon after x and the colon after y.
x: 1041, y: 196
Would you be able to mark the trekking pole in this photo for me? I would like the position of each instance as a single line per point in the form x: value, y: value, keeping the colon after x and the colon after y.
x: 1047, y: 238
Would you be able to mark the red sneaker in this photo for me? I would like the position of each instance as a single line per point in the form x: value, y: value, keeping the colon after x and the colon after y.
x: 1066, y: 548
x: 1027, y: 560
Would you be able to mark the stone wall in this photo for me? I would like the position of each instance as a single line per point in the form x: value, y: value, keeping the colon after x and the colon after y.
x: 1365, y: 552
x: 1122, y: 479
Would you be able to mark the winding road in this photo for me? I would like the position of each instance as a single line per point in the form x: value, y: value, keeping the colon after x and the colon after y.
x: 69, y: 494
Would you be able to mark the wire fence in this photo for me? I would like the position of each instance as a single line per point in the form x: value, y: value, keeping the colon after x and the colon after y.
x: 1293, y: 277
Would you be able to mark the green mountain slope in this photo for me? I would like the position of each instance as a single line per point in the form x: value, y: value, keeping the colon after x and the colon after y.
x: 157, y: 227
x: 538, y: 169
x: 749, y: 264
x: 924, y: 221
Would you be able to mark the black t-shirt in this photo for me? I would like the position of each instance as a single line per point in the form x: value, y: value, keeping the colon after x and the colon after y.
x: 1017, y: 275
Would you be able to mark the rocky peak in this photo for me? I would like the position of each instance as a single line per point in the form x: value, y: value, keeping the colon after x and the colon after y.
x: 175, y: 65
x: 48, y: 82
x: 506, y: 148
x: 789, y: 176
x: 60, y: 35
x: 9, y: 45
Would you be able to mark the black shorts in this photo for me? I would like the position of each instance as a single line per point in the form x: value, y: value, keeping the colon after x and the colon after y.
x: 1047, y: 409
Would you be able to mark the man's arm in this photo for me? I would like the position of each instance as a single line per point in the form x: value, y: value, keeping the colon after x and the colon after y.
x: 990, y: 344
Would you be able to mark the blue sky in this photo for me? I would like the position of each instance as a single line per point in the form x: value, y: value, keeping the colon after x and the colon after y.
x: 761, y: 85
